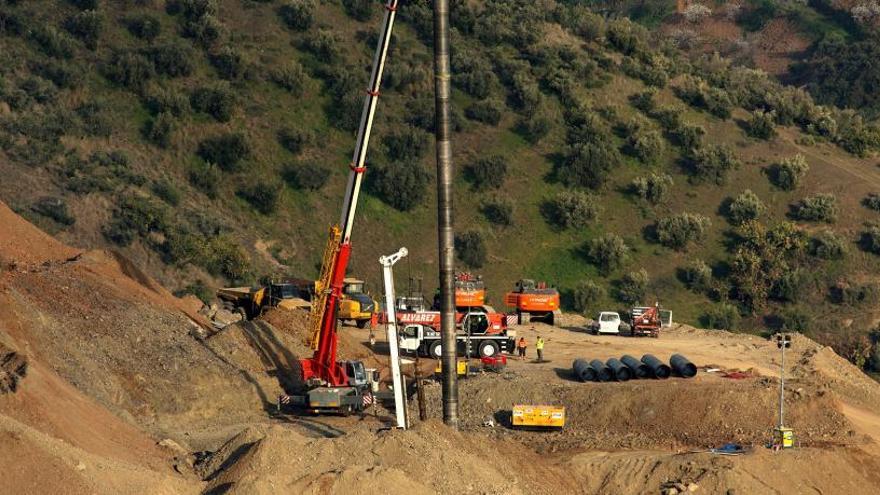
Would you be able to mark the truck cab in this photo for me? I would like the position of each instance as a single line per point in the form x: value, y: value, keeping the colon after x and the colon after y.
x: 606, y: 322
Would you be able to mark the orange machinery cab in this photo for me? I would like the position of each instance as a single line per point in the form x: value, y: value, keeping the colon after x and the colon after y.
x: 536, y: 300
x: 470, y: 290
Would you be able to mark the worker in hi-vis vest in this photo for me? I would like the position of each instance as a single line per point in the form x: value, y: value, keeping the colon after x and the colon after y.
x: 539, y: 346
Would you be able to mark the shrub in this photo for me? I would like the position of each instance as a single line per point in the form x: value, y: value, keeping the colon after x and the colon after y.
x: 173, y: 59
x: 654, y: 188
x: 324, y: 44
x: 167, y: 192
x: 573, y: 209
x: 644, y: 100
x: 585, y: 296
x: 166, y: 100
x: 206, y: 178
x: 225, y: 150
x: 761, y: 124
x: 198, y: 289
x: 52, y: 42
x: 297, y: 14
x: 263, y: 195
x: 160, y: 130
x: 55, y: 209
x: 144, y: 26
x: 87, y: 26
x: 471, y: 248
x: 626, y: 36
x: 712, y: 163
x: 498, y: 211
x: 488, y: 172
x: 94, y: 119
x: 584, y: 23
x: 129, y: 69
x: 607, y: 252
x: 788, y: 287
x: 872, y: 201
x: 588, y: 164
x: 135, y: 216
x: 524, y: 93
x: 227, y: 258
x: 818, y: 208
x: 217, y: 101
x: 310, y: 176
x: 534, y: 127
x: 855, y: 295
x: 360, y: 10
x: 745, y: 207
x: 646, y: 144
x: 827, y: 245
x: 63, y: 74
x: 788, y: 173
x: 870, y: 240
x: 405, y: 143
x: 689, y: 136
x: 82, y: 4
x: 206, y: 30
x: 633, y: 286
x: 294, y: 140
x: 697, y: 276
x: 677, y: 231
x: 668, y: 116
x: 229, y: 63
x: 477, y: 81
x: 400, y: 184
x: 724, y: 316
x: 794, y: 320
x: 291, y: 77
x: 485, y: 111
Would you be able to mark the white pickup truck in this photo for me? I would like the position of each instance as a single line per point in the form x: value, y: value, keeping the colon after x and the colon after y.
x: 607, y: 322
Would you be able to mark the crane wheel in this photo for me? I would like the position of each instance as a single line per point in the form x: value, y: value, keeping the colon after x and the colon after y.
x: 435, y: 350
x: 488, y: 349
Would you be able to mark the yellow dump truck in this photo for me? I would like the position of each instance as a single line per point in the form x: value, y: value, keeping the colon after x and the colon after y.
x: 356, y: 305
x: 252, y: 301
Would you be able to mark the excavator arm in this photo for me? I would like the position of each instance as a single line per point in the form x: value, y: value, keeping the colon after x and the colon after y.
x: 322, y: 366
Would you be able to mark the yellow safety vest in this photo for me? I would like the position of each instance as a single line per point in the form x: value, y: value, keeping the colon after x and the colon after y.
x: 539, y: 344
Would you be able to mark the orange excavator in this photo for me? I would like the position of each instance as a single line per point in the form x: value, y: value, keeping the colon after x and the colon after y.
x: 535, y: 300
x: 470, y: 292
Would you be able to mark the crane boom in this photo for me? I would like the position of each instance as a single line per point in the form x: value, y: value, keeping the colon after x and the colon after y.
x: 322, y: 366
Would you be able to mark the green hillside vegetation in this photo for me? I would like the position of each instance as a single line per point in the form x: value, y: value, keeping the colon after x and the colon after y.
x: 210, y: 140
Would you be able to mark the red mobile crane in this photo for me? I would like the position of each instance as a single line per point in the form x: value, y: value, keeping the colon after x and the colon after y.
x: 331, y: 385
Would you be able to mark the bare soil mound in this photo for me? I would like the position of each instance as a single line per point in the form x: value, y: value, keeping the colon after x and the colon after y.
x: 428, y: 459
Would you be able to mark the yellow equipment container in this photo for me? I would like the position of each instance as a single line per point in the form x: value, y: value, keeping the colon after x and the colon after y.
x: 784, y: 437
x: 461, y: 367
x: 538, y: 416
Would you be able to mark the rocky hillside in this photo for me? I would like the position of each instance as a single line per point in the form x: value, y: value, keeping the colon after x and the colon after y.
x: 209, y: 140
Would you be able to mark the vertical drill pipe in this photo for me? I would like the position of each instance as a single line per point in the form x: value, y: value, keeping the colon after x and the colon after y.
x: 442, y: 92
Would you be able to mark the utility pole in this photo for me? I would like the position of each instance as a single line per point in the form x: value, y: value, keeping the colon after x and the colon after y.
x: 784, y: 436
x: 442, y: 90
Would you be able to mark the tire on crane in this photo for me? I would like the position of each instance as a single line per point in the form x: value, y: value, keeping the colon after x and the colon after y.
x: 488, y: 348
x: 435, y: 350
